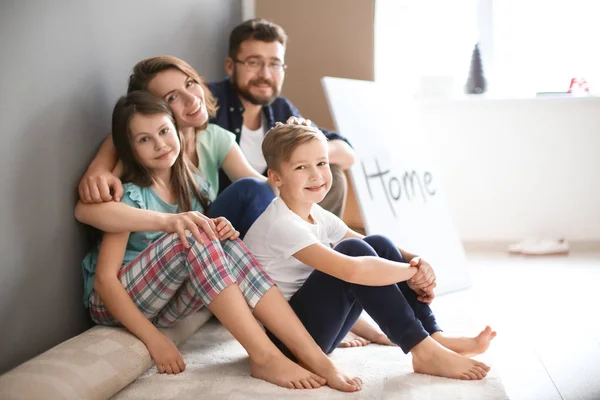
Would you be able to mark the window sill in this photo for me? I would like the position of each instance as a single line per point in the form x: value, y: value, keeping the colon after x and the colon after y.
x: 479, y: 98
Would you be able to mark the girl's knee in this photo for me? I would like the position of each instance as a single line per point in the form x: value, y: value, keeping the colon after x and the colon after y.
x: 206, y: 241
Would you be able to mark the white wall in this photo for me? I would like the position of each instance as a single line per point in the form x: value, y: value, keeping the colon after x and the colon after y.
x: 518, y: 167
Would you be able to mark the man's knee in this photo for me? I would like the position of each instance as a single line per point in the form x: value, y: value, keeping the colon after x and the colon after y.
x: 335, y: 200
x: 254, y: 190
x: 251, y: 185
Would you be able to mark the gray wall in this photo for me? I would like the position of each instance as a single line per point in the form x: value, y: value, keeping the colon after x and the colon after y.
x: 62, y: 66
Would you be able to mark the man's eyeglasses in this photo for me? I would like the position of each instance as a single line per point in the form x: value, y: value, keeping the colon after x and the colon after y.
x: 257, y: 65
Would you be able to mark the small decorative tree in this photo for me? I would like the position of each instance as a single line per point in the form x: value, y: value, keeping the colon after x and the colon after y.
x: 476, y: 82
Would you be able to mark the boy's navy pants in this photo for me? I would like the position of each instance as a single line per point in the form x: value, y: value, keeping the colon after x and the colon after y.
x: 329, y: 307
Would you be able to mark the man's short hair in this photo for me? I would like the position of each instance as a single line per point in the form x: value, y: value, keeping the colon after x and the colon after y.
x: 255, y: 29
x: 281, y: 141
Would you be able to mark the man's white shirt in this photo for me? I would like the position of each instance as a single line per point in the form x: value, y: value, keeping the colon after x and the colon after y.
x: 251, y: 145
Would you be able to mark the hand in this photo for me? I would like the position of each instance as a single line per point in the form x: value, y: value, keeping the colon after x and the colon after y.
x: 296, y: 121
x: 425, y: 276
x: 96, y: 187
x: 192, y: 221
x: 224, y: 229
x: 165, y: 355
x: 423, y: 295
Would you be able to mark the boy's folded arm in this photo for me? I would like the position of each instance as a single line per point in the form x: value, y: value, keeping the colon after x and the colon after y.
x: 118, y: 217
x: 369, y: 271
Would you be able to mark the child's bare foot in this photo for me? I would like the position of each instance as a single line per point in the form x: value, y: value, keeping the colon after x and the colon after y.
x: 336, y: 379
x: 283, y: 372
x: 431, y: 358
x: 340, y: 381
x: 467, y: 346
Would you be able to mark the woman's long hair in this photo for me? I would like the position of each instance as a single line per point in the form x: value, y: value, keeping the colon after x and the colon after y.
x: 146, y: 70
x: 182, y: 177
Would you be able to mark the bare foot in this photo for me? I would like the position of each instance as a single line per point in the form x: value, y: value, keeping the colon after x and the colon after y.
x: 353, y: 340
x: 336, y: 379
x: 363, y: 334
x: 283, y: 372
x: 381, y: 338
x: 467, y: 346
x: 431, y: 358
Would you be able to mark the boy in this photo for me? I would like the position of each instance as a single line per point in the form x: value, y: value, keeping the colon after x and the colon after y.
x: 328, y: 288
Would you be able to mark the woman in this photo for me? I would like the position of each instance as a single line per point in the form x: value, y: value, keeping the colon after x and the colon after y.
x: 209, y: 147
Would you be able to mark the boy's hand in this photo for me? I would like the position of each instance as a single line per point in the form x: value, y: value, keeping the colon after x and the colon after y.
x: 191, y: 221
x: 425, y: 276
x: 225, y: 230
x: 165, y: 355
x: 423, y: 295
x: 96, y: 187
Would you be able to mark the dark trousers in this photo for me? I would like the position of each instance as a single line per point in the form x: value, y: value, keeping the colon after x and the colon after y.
x: 329, y: 307
x: 242, y: 203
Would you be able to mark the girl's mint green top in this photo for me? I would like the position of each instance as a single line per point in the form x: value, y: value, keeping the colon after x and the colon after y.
x: 212, y: 145
x: 144, y: 198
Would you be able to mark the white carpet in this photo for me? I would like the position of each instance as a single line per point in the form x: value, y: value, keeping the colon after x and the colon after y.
x: 218, y: 368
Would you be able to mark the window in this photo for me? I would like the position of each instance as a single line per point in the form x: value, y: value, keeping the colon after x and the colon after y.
x: 423, y: 48
x: 538, y: 46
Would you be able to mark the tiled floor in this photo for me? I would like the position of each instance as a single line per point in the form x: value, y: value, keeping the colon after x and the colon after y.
x: 547, y: 314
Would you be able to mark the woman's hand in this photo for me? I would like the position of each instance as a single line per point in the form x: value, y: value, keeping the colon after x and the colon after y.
x: 224, y: 229
x: 96, y: 187
x: 192, y: 221
x: 165, y: 355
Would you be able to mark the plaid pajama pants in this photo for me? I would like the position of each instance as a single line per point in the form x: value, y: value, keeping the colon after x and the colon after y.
x: 168, y: 282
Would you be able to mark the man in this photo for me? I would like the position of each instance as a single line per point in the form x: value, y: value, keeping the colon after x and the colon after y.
x: 249, y: 102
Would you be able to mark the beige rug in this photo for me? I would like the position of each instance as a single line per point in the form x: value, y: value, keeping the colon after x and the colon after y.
x: 218, y: 368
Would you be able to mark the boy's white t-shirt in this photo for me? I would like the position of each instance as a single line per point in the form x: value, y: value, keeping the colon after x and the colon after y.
x: 251, y: 145
x: 279, y: 233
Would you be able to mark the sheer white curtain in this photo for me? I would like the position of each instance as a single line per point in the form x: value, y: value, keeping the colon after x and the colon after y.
x: 423, y: 48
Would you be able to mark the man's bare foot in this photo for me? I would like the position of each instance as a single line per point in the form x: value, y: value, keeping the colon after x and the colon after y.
x: 283, y: 372
x: 336, y: 379
x: 353, y: 340
x: 467, y: 346
x: 381, y: 338
x: 431, y: 358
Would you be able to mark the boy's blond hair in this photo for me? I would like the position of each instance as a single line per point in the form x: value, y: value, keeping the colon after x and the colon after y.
x: 281, y: 141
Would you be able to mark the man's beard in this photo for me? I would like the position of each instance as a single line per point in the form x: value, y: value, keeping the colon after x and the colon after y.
x: 256, y: 100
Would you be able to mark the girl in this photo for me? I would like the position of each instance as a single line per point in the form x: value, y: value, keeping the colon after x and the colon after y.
x: 209, y: 147
x: 145, y: 280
